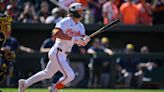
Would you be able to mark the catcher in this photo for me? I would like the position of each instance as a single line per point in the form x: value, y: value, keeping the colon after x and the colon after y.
x: 6, y: 55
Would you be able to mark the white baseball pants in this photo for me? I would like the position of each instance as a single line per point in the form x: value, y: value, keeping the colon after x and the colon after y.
x: 58, y: 62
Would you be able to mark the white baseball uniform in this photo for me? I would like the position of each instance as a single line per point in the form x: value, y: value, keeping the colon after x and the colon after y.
x: 57, y: 54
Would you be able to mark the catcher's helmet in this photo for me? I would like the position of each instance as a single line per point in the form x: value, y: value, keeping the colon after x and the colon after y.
x: 73, y: 9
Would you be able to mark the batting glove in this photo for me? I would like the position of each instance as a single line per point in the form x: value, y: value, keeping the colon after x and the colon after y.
x: 86, y: 39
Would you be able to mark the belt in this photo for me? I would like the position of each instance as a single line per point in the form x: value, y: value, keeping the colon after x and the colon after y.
x: 59, y: 49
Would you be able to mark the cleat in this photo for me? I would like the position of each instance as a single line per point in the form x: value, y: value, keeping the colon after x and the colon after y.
x: 52, y: 88
x: 21, y: 85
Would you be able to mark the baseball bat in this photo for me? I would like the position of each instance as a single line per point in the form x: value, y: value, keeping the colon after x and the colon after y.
x: 108, y: 26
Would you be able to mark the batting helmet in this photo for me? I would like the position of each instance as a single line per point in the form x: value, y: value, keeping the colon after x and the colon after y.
x: 73, y: 9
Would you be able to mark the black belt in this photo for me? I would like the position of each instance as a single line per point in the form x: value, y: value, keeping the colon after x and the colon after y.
x: 59, y: 49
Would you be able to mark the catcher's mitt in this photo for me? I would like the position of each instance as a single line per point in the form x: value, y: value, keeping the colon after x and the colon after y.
x: 8, y: 55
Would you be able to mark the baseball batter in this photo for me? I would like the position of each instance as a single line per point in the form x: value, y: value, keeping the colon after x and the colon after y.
x: 68, y: 31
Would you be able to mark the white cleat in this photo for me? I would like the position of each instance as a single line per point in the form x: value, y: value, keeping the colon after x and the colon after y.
x: 21, y: 85
x: 52, y: 89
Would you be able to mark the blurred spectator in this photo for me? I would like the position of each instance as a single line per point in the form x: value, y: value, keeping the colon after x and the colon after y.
x: 83, y: 2
x: 3, y: 4
x: 105, y: 45
x: 29, y: 14
x: 85, y: 81
x: 43, y: 12
x: 20, y: 3
x: 63, y: 4
x: 118, y: 3
x: 13, y: 11
x: 129, y: 13
x: 145, y: 13
x: 105, y: 42
x: 106, y: 63
x: 9, y: 10
x: 144, y: 50
x: 152, y: 62
x: 96, y: 63
x: 57, y: 15
x: 158, y: 11
x: 149, y: 64
x: 96, y: 8
x: 129, y: 69
x: 88, y: 17
x: 110, y: 11
x: 146, y: 65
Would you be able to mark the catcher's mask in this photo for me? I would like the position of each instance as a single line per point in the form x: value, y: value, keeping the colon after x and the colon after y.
x: 73, y: 9
x: 5, y: 26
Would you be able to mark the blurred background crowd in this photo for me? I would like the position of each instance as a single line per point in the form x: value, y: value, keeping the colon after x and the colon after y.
x: 130, y: 72
x: 132, y: 12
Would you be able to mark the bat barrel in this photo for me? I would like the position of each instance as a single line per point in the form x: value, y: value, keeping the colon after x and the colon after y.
x: 110, y: 25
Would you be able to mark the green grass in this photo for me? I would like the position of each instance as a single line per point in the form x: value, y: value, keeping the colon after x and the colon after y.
x: 82, y: 90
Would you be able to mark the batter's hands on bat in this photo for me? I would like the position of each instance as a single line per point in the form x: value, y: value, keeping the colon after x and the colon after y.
x: 86, y: 39
x: 79, y: 40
